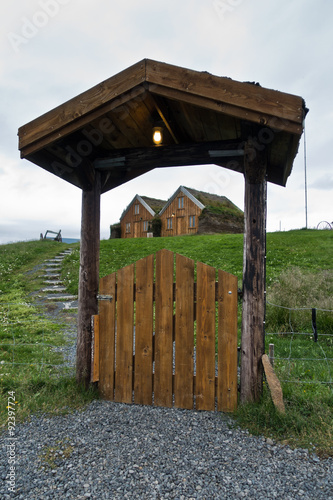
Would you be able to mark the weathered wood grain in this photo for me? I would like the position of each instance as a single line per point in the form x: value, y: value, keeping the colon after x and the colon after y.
x: 205, y: 339
x: 88, y: 278
x: 143, y: 372
x: 227, y: 389
x: 163, y: 328
x: 184, y: 332
x: 107, y: 314
x: 124, y: 340
x: 238, y: 94
x: 82, y: 104
x: 253, y: 317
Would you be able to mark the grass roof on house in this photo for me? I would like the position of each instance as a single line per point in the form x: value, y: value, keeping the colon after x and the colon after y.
x: 213, y: 200
x: 154, y: 203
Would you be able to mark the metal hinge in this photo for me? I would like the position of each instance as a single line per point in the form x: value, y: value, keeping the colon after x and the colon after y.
x: 105, y: 297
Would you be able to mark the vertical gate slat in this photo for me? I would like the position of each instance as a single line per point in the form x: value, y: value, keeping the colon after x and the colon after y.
x: 143, y: 371
x: 184, y: 332
x: 227, y: 344
x: 163, y: 328
x: 205, y: 338
x: 107, y: 286
x: 124, y: 342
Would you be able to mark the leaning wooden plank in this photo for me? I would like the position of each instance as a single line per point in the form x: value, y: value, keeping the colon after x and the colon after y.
x: 227, y: 342
x: 273, y: 384
x: 184, y: 332
x: 205, y: 339
x: 95, y: 348
x: 107, y: 311
x: 124, y: 342
x: 163, y: 328
x: 143, y: 372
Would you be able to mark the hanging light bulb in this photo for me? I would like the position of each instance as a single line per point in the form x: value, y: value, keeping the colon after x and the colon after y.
x: 158, y: 135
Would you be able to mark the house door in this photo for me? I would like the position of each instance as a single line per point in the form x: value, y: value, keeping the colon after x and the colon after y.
x: 136, y: 229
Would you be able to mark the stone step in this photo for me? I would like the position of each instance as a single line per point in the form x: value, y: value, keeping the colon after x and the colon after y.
x: 51, y: 276
x: 69, y: 305
x: 54, y: 289
x: 62, y: 297
x: 53, y: 282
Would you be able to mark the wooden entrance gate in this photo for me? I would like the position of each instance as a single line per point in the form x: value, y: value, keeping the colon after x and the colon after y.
x: 167, y: 342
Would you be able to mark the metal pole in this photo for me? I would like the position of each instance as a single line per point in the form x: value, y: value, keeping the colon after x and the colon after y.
x: 306, y: 186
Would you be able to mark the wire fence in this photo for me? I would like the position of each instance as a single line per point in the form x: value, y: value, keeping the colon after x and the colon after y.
x: 303, y: 347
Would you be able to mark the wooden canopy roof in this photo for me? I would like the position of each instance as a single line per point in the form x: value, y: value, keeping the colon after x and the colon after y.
x: 206, y: 120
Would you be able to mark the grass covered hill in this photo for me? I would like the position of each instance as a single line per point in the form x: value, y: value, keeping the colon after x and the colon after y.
x: 309, y: 250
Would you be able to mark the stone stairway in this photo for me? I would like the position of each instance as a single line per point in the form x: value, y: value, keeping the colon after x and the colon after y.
x: 54, y: 287
x: 60, y: 306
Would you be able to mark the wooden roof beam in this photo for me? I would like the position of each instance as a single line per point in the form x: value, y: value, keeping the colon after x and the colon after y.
x: 170, y: 156
x: 164, y: 115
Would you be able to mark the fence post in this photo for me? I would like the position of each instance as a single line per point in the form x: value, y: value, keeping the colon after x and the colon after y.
x: 271, y: 354
x: 314, y: 324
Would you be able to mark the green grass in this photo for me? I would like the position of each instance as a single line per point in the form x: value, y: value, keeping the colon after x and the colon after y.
x: 299, y: 274
x: 37, y: 385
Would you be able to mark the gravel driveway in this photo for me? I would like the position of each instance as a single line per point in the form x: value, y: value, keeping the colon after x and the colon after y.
x: 112, y: 450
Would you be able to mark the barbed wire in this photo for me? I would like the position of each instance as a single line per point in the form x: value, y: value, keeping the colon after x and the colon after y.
x: 287, y: 362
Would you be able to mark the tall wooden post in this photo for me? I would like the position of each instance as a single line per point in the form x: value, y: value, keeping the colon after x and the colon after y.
x: 253, y: 333
x: 88, y: 277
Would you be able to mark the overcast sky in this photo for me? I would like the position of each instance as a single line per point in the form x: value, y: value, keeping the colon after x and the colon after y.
x: 51, y: 50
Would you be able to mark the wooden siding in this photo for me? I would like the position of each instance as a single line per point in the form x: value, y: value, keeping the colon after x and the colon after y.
x: 136, y: 221
x: 180, y: 217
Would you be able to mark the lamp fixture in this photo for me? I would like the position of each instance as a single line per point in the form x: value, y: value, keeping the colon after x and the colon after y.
x: 158, y: 135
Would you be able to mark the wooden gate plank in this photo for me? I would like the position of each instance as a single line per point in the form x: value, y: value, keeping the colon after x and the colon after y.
x: 205, y: 338
x: 143, y: 372
x: 124, y: 336
x: 184, y: 332
x: 227, y: 342
x: 107, y: 310
x: 163, y: 328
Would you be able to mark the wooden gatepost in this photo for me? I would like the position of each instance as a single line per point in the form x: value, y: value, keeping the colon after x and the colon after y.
x: 146, y: 334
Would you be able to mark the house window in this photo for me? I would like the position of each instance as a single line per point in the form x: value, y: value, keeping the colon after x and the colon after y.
x: 181, y: 202
x: 169, y: 223
x: 145, y: 225
x: 192, y: 221
x: 136, y: 209
x: 128, y: 227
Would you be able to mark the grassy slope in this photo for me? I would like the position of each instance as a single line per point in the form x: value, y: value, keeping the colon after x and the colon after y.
x: 309, y: 250
x: 35, y: 389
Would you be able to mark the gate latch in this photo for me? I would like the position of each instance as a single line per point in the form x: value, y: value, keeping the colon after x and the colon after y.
x: 105, y: 297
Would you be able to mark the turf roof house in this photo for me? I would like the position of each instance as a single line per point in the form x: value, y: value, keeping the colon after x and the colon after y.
x: 136, y: 219
x: 189, y: 211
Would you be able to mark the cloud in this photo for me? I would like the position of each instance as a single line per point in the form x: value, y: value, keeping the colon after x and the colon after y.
x: 324, y: 182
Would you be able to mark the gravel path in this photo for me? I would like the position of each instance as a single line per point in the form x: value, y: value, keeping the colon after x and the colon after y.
x: 112, y: 450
